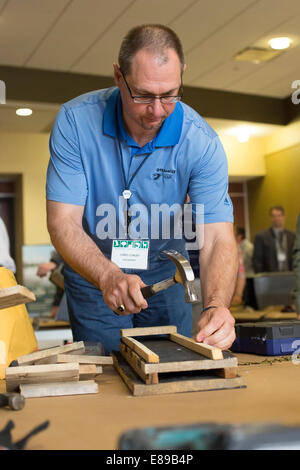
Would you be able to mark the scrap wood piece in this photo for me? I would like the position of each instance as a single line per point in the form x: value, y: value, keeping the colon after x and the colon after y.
x: 85, y: 359
x: 141, y: 349
x: 88, y: 371
x: 53, y: 389
x: 189, y: 382
x: 16, y: 376
x: 48, y: 356
x: 152, y: 330
x: 205, y: 349
x: 15, y: 295
x: 138, y: 364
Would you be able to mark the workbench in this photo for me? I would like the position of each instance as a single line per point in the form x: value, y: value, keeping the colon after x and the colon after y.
x: 96, y: 421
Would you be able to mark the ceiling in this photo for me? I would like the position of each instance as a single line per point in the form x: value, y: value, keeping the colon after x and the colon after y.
x: 83, y: 37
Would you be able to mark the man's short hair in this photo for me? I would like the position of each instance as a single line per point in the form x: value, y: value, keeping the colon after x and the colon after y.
x: 155, y: 38
x: 277, y: 208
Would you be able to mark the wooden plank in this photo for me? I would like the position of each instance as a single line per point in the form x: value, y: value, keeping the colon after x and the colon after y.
x: 15, y: 376
x: 54, y: 389
x: 193, y: 381
x: 140, y: 349
x: 153, y: 330
x: 48, y: 356
x: 85, y: 359
x: 89, y: 371
x: 201, y: 348
x: 15, y: 295
x: 137, y: 364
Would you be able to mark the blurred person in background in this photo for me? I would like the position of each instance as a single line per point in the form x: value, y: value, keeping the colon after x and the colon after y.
x: 5, y: 258
x: 273, y: 248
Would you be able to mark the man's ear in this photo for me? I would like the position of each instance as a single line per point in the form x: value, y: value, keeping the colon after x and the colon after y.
x: 184, y: 68
x: 117, y: 74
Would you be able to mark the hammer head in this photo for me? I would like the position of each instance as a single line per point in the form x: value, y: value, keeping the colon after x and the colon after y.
x: 184, y: 274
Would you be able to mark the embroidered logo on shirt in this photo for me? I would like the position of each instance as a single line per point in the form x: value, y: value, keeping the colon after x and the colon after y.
x: 164, y: 172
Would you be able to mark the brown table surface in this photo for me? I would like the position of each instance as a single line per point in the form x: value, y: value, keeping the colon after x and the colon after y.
x: 97, y: 421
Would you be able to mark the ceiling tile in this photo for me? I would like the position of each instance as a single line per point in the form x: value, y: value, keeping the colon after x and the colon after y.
x: 203, y: 19
x: 75, y: 32
x: 243, y: 31
x: 23, y: 25
x: 100, y: 57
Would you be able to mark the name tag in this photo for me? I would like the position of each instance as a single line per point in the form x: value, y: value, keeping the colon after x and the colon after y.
x: 130, y: 254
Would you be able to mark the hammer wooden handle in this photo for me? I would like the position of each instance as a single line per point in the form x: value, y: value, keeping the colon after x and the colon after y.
x: 152, y: 289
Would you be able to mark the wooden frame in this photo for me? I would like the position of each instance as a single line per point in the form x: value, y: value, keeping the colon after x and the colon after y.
x: 151, y: 358
x: 169, y: 385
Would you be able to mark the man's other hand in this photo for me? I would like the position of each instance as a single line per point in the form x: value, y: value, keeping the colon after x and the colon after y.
x: 216, y: 328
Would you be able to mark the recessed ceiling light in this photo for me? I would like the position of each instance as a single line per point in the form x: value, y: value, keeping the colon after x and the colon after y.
x: 242, y: 133
x: 24, y: 112
x: 280, y: 43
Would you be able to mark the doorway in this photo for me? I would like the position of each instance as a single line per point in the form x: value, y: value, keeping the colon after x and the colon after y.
x: 12, y: 215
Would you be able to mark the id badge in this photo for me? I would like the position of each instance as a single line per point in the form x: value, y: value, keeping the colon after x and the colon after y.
x: 281, y: 256
x: 130, y: 254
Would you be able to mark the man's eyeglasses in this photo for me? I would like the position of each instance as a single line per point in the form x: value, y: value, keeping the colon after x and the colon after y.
x: 148, y: 99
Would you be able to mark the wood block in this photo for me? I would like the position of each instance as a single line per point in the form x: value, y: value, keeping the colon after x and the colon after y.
x: 85, y: 359
x: 54, y: 389
x: 228, y: 373
x: 40, y: 374
x: 201, y: 348
x: 193, y: 381
x: 140, y: 349
x: 153, y: 330
x: 137, y: 363
x: 89, y: 371
x: 15, y: 295
x: 49, y: 356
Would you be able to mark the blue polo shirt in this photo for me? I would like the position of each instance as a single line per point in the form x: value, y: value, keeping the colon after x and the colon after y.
x: 93, y: 159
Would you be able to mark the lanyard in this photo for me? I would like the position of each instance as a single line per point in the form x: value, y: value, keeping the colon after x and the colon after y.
x: 127, y: 193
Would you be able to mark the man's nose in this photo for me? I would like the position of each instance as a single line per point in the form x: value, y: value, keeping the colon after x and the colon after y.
x: 156, y: 107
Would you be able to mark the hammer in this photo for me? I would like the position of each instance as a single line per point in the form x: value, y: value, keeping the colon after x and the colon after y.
x: 15, y: 401
x: 183, y: 275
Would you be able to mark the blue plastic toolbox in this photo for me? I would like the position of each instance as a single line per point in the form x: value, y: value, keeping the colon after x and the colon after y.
x: 269, y: 338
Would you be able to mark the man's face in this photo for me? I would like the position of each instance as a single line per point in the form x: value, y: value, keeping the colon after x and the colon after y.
x: 149, y: 77
x: 277, y: 218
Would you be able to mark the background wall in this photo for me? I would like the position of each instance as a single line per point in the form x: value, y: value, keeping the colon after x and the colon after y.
x: 27, y: 154
x: 281, y: 185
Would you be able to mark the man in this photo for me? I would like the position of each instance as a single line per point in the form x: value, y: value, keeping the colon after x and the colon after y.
x: 44, y: 269
x: 245, y: 248
x: 135, y: 146
x: 296, y: 267
x: 273, y: 248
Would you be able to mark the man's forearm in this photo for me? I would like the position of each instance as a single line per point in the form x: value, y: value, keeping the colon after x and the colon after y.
x: 218, y: 272
x: 80, y: 252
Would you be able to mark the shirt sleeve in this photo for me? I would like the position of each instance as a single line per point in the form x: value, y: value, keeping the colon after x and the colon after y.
x: 208, y: 188
x: 66, y: 180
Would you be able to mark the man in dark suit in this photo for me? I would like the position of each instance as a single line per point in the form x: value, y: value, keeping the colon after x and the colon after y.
x: 273, y: 248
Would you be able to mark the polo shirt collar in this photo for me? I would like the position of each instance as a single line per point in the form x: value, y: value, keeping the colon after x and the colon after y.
x: 113, y: 125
